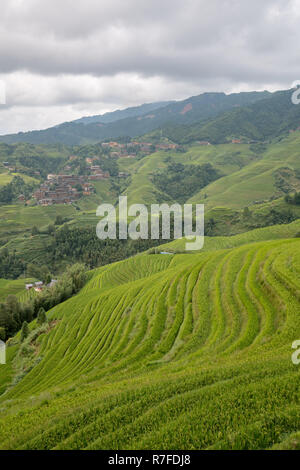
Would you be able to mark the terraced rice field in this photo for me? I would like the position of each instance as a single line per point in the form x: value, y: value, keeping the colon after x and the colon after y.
x: 17, y: 287
x: 188, y: 351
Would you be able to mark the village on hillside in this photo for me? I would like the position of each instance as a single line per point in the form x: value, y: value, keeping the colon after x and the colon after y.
x: 131, y: 149
x: 66, y: 188
x: 62, y: 189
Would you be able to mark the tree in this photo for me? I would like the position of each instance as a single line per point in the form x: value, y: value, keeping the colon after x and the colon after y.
x: 24, y: 331
x: 50, y: 229
x: 209, y: 226
x: 295, y: 199
x: 34, y: 230
x: 11, y: 264
x: 2, y: 334
x: 288, y: 198
x: 39, y: 272
x: 59, y: 220
x: 78, y: 187
x: 246, y: 213
x: 42, y: 317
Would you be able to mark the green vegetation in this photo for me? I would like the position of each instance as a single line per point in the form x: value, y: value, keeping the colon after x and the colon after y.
x: 16, y: 287
x: 182, y: 181
x: 11, y: 266
x: 270, y: 117
x: 295, y: 199
x: 16, y: 187
x: 215, y: 117
x: 82, y: 244
x: 275, y: 232
x: 199, y: 343
x: 15, y: 312
x: 183, y: 350
x: 135, y: 121
x: 42, y: 317
x: 255, y: 176
x: 7, y: 178
x: 24, y: 331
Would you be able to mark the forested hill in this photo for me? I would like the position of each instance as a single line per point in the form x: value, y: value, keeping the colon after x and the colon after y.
x: 265, y: 119
x: 194, y: 109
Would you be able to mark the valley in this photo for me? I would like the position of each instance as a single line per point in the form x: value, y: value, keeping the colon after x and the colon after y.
x: 141, y: 344
x: 153, y: 344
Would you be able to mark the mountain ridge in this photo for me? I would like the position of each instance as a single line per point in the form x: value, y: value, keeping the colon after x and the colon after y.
x: 198, y: 108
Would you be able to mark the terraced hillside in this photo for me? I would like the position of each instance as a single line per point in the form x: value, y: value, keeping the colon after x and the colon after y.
x: 6, y: 178
x: 8, y: 287
x: 189, y: 351
x: 257, y: 176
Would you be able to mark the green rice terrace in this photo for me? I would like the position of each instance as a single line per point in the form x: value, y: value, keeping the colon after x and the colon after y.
x: 182, y: 351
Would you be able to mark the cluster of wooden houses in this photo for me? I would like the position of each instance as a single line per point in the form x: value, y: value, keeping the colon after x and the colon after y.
x: 39, y: 285
x: 62, y: 189
x: 97, y: 172
x: 131, y: 149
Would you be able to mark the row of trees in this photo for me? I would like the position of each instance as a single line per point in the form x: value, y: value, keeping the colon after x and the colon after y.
x: 83, y: 244
x: 13, y: 313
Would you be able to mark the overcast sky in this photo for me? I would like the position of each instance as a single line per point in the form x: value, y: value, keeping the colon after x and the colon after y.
x: 63, y: 59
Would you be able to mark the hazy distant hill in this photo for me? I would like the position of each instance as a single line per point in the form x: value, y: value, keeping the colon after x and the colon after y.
x: 194, y: 109
x: 113, y: 116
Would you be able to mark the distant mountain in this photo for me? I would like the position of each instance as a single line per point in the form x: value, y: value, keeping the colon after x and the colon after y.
x: 264, y: 119
x: 114, y: 116
x: 198, y: 109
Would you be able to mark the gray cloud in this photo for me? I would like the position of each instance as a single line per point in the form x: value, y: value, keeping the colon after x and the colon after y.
x: 61, y: 56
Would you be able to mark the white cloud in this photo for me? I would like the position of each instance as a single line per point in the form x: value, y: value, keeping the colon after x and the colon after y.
x: 87, y: 56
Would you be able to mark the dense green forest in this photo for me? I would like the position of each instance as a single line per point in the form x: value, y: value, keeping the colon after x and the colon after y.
x: 11, y: 265
x: 261, y: 121
x: 182, y: 181
x: 71, y: 245
x: 82, y: 244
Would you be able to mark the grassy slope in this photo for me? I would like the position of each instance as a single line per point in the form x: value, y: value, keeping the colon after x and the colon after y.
x: 6, y: 178
x: 186, y: 351
x: 18, y: 219
x: 227, y: 158
x: 262, y: 234
x: 255, y: 181
x: 9, y: 287
x: 247, y: 178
